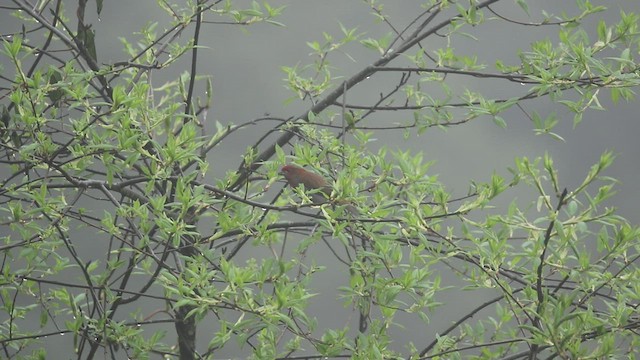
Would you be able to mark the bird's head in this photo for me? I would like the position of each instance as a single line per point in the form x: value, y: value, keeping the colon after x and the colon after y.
x: 292, y: 173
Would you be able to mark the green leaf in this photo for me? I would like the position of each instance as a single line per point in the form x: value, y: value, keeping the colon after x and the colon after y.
x: 99, y: 6
x: 13, y: 48
x: 5, y: 117
x: 524, y: 6
x: 88, y: 39
x: 55, y: 78
x: 498, y: 120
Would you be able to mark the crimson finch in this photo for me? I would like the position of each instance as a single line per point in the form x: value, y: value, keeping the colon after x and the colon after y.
x: 296, y: 175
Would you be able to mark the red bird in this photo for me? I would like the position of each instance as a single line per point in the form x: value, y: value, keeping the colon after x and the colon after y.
x: 296, y: 175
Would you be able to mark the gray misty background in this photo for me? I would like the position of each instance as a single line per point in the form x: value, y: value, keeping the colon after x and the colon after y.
x: 245, y: 62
